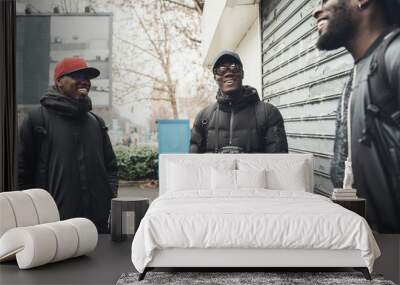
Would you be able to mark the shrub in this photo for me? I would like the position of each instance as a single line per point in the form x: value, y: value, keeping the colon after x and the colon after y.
x: 136, y: 163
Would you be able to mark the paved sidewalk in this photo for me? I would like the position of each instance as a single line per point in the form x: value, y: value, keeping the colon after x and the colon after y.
x: 135, y: 191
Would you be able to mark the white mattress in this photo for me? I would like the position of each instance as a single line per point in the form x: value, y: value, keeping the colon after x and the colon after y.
x: 256, y: 218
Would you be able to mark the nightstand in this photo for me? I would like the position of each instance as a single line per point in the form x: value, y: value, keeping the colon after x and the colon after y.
x: 126, y: 214
x: 357, y: 205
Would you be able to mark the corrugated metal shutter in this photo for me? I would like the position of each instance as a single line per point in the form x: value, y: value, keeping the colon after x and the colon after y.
x: 303, y: 82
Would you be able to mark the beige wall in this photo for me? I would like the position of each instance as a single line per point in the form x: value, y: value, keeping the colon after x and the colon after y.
x: 249, y: 50
x: 230, y: 25
x: 211, y: 16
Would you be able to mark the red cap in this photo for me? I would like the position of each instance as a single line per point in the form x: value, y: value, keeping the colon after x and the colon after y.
x: 72, y: 64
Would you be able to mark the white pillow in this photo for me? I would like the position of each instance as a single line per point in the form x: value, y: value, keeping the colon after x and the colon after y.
x: 187, y: 175
x: 223, y: 179
x: 229, y: 180
x: 281, y: 174
x: 182, y: 177
x: 251, y: 179
x: 292, y: 178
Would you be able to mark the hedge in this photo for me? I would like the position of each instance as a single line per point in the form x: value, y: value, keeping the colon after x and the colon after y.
x: 136, y: 163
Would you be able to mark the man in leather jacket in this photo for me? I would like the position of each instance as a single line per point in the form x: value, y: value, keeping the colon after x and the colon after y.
x: 362, y: 27
x: 238, y: 121
x: 65, y: 149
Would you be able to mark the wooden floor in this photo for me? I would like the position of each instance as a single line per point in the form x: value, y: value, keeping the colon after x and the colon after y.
x: 103, y: 266
x: 389, y: 263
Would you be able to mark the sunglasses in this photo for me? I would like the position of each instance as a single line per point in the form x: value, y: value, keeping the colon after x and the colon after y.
x: 234, y: 68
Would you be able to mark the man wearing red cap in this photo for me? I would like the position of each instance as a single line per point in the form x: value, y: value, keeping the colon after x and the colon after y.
x: 65, y: 149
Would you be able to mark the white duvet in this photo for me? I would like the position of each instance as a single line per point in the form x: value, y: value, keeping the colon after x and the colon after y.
x: 256, y: 218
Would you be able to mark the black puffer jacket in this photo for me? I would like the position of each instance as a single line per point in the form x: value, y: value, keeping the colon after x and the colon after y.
x: 371, y: 176
x: 73, y: 160
x: 245, y: 122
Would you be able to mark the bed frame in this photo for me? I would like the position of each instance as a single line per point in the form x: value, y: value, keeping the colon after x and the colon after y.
x: 243, y: 259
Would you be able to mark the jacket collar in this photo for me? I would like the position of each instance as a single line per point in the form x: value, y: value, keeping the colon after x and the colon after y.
x: 65, y: 105
x: 246, y: 96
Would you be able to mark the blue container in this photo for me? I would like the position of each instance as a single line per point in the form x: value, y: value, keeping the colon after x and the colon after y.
x: 173, y: 136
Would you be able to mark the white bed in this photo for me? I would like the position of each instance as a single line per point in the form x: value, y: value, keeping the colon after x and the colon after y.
x: 247, y: 210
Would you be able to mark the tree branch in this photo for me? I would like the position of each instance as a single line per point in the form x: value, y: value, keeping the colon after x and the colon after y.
x: 146, y: 32
x: 181, y: 4
x: 187, y: 34
x: 199, y: 5
x: 153, y: 99
x: 139, y: 47
x: 144, y: 75
x: 134, y: 86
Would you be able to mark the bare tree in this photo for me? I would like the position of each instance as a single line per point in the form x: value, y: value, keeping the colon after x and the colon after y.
x: 186, y: 11
x: 196, y: 5
x: 162, y: 38
x: 156, y: 51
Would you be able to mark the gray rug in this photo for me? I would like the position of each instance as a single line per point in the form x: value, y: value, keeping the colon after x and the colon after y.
x: 270, y: 278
